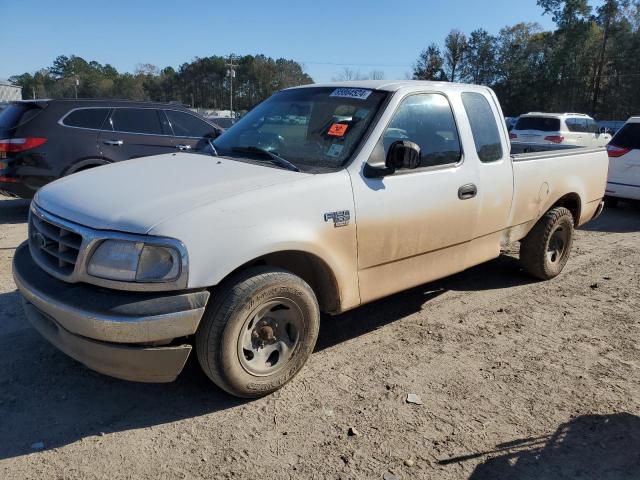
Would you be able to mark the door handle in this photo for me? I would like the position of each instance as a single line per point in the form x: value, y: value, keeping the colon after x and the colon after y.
x: 467, y: 192
x: 183, y: 147
x: 114, y: 143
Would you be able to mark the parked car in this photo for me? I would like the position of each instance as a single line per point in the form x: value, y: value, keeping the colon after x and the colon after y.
x: 559, y: 128
x: 43, y: 140
x: 624, y: 163
x: 238, y: 252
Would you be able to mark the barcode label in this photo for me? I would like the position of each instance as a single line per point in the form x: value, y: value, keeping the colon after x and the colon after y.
x: 359, y: 93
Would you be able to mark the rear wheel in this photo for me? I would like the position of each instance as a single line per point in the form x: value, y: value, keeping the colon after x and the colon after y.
x: 545, y: 250
x: 258, y: 332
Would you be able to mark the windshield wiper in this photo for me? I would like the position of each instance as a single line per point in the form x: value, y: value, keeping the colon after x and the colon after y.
x: 273, y: 158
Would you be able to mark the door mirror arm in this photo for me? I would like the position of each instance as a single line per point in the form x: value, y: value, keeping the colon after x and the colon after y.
x: 370, y: 171
x: 402, y: 155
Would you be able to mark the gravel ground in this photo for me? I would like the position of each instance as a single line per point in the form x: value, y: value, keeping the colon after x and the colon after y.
x: 518, y: 379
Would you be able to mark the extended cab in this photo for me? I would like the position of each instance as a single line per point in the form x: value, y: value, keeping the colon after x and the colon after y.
x: 236, y: 252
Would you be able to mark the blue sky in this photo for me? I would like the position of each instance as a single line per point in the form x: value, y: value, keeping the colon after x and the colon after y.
x: 323, y: 35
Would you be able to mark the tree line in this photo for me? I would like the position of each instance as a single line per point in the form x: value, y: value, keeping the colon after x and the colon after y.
x: 590, y: 63
x: 203, y: 83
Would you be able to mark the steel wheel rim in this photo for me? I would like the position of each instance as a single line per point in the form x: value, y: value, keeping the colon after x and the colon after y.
x: 269, y: 337
x: 557, y: 246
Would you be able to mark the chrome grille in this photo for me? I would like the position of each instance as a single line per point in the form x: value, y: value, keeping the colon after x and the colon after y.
x: 53, y: 245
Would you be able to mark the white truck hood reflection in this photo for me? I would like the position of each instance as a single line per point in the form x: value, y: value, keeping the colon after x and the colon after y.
x: 135, y: 195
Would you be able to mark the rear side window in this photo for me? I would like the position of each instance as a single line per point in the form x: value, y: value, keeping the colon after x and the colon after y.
x: 483, y: 126
x: 136, y: 120
x: 628, y: 137
x: 426, y: 119
x: 577, y: 125
x: 86, y: 118
x: 18, y: 114
x: 186, y: 125
x: 542, y: 124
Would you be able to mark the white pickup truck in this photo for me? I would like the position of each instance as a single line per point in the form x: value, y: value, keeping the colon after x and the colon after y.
x: 377, y: 188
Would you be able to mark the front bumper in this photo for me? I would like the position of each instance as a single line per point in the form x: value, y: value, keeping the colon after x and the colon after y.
x: 112, y: 332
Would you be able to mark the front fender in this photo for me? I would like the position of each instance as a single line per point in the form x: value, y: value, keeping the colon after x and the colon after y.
x: 224, y: 235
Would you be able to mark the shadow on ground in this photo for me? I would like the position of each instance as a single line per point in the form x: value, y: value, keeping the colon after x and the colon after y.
x: 589, y: 447
x: 14, y: 211
x: 503, y: 272
x: 47, y: 397
x: 624, y: 218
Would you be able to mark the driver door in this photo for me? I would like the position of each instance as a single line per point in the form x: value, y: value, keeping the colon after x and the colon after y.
x: 414, y: 226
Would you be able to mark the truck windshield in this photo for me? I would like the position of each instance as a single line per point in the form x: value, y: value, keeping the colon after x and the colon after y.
x: 317, y: 129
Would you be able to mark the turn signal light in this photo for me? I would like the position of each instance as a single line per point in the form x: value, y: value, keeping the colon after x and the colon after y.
x: 13, y: 145
x: 615, y: 152
x: 555, y: 139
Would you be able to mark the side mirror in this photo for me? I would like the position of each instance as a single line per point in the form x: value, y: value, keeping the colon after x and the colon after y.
x: 403, y: 154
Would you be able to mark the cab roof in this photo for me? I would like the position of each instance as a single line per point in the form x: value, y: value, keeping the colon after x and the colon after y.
x: 395, y: 85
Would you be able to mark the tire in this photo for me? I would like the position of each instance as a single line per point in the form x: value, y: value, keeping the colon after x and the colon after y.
x: 545, y: 250
x: 258, y: 331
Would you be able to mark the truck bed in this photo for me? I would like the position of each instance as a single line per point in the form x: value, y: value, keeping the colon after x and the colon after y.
x: 520, y: 148
x: 543, y: 174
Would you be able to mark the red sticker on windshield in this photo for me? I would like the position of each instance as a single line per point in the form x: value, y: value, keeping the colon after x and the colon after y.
x: 338, y: 130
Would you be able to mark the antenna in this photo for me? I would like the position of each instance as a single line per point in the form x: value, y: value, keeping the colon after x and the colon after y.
x: 232, y: 74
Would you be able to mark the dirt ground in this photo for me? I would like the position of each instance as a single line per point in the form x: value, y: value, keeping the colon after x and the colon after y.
x: 518, y: 379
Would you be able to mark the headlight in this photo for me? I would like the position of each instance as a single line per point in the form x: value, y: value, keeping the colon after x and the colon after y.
x: 128, y: 261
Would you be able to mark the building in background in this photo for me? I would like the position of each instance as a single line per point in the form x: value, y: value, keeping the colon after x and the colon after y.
x: 9, y: 92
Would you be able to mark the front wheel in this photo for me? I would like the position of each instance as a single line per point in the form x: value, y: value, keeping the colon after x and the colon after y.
x: 545, y: 250
x: 258, y: 332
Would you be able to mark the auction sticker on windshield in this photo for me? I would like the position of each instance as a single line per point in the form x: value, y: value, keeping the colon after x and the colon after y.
x: 358, y: 93
x: 338, y: 130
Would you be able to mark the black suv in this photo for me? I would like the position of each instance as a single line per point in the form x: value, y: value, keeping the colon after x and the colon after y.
x: 43, y: 140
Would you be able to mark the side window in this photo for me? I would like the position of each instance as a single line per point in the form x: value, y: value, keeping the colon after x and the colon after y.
x: 484, y: 128
x: 577, y: 125
x: 426, y: 119
x: 86, y: 118
x: 592, y: 126
x: 136, y: 120
x: 186, y: 125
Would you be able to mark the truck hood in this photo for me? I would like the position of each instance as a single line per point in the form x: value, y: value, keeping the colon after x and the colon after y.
x: 135, y: 195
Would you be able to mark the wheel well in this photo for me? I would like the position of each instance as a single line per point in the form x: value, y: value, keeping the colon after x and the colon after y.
x: 85, y: 164
x: 571, y: 202
x: 311, y: 269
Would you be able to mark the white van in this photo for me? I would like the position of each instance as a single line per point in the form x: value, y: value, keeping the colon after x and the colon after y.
x: 574, y: 129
